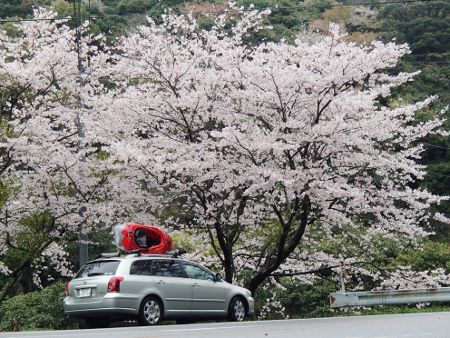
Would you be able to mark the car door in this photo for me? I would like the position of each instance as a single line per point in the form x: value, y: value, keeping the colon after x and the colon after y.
x: 175, y: 288
x: 208, y: 295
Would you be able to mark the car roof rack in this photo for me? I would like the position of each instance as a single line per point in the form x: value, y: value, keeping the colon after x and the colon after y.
x: 177, y: 253
x: 140, y: 252
x: 110, y: 254
x: 173, y: 253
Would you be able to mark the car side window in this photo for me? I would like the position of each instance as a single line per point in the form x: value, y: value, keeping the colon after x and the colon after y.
x: 196, y: 272
x: 168, y: 268
x: 141, y: 267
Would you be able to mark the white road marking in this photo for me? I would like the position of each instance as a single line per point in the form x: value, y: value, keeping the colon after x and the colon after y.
x: 211, y: 328
x: 432, y: 334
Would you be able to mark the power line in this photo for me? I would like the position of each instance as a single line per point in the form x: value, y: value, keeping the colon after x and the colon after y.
x: 424, y: 62
x: 350, y: 4
x: 435, y: 146
x: 421, y: 58
x: 424, y: 55
x: 66, y: 18
x: 223, y: 11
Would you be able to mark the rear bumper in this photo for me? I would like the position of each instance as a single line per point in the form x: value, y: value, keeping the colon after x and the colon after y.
x: 109, y: 305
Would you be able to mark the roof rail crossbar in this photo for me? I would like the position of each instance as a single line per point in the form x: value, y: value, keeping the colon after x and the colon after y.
x: 110, y: 254
x: 139, y: 252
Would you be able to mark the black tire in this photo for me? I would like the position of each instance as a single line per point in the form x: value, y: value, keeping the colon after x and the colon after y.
x: 93, y: 323
x: 151, y: 311
x: 237, y: 311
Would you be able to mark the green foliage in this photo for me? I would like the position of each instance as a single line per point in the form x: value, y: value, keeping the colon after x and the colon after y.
x: 28, y: 244
x: 307, y: 300
x: 121, y: 14
x: 100, y: 241
x: 287, y: 17
x: 433, y: 80
x: 205, y: 23
x: 437, y: 175
x: 35, y: 310
x: 312, y: 301
x: 142, y: 6
x: 437, y: 180
x: 434, y: 255
x: 20, y: 8
x: 395, y: 309
x: 425, y: 26
x: 10, y: 8
x: 64, y: 8
x: 11, y: 30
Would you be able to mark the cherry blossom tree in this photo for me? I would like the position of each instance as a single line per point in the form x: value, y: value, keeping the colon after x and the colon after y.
x: 260, y: 148
x: 50, y: 173
x: 262, y: 154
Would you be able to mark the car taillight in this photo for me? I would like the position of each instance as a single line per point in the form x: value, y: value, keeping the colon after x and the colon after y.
x: 114, y: 284
x: 66, y: 289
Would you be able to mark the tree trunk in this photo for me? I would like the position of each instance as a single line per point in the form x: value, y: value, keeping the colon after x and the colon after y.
x: 228, y: 266
x: 289, y: 239
x: 258, y: 279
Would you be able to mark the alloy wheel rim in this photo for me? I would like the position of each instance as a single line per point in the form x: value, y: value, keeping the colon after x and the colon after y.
x: 152, y: 312
x: 239, y: 310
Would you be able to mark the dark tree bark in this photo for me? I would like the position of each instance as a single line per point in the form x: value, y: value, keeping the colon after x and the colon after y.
x: 293, y: 228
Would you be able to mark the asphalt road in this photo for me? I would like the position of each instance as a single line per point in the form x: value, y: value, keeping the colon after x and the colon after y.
x: 420, y: 325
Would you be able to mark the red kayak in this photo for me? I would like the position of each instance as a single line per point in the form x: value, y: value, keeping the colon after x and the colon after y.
x: 146, y: 238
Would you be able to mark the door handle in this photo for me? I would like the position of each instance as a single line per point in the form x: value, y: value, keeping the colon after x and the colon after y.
x: 160, y: 282
x: 195, y: 285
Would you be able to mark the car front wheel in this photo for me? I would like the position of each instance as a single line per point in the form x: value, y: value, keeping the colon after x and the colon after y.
x: 151, y: 311
x: 237, y: 310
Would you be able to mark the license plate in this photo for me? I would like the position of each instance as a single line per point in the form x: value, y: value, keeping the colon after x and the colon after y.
x: 84, y: 293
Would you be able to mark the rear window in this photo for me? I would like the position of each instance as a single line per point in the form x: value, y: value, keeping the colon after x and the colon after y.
x: 98, y: 268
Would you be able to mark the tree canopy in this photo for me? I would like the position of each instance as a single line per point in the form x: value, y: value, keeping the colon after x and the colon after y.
x: 260, y: 145
x: 272, y: 157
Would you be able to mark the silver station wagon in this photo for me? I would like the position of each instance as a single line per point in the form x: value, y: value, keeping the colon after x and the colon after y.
x: 150, y: 288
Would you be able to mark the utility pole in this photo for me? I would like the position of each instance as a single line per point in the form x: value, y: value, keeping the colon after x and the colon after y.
x: 342, y: 275
x: 82, y: 236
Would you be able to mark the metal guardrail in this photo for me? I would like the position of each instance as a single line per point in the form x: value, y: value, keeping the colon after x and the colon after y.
x: 367, y: 298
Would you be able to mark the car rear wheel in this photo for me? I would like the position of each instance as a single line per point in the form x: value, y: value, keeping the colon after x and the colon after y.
x: 151, y: 311
x: 237, y: 310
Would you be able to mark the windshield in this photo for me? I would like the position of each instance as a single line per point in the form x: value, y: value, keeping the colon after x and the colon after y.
x: 98, y: 268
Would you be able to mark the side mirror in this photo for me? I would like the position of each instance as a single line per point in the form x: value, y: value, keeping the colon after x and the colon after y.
x: 218, y: 277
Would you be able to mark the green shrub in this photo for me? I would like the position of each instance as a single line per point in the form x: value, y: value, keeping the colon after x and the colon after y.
x: 35, y: 310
